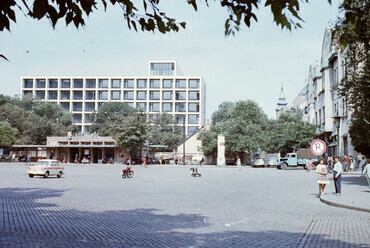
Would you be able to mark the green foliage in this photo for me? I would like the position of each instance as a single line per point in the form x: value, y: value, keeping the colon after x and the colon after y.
x: 289, y: 132
x: 243, y: 125
x: 130, y: 132
x: 8, y: 134
x: 354, y: 32
x: 107, y: 115
x: 285, y: 13
x: 34, y: 119
x: 164, y: 131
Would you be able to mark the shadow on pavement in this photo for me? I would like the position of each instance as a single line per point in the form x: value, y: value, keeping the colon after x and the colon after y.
x: 26, y: 220
x: 354, y: 179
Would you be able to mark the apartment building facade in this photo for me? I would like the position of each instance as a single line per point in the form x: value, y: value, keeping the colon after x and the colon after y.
x: 324, y: 106
x: 165, y: 89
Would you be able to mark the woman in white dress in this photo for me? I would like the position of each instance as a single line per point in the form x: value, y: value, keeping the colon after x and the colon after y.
x: 321, y: 170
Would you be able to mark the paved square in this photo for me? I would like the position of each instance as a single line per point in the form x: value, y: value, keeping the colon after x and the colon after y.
x: 92, y: 206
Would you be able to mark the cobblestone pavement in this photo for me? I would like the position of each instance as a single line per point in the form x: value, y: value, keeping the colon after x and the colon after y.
x: 92, y: 206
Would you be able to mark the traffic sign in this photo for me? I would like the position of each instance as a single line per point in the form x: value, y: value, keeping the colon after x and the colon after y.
x: 318, y: 147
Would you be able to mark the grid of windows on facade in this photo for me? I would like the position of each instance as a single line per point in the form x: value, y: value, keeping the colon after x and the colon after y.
x: 162, y: 69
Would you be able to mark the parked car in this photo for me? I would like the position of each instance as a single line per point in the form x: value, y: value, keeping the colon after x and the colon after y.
x: 273, y: 161
x: 259, y: 162
x: 46, y: 168
x: 297, y: 159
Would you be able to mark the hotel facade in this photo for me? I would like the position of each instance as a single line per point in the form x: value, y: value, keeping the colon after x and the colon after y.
x: 165, y: 90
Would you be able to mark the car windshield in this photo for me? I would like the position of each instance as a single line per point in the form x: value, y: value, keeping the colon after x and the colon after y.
x: 43, y: 163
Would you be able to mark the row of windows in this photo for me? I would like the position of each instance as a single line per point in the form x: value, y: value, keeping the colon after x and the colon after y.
x: 191, y: 130
x: 114, y: 83
x: 191, y: 119
x: 140, y: 106
x: 115, y: 95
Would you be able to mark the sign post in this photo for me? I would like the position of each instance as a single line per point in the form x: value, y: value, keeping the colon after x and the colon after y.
x: 318, y: 147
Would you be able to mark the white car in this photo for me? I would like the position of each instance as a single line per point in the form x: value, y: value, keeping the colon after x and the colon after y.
x: 46, y: 168
x: 259, y: 162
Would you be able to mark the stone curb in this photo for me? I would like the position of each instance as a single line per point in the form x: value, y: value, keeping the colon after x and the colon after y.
x: 334, y: 204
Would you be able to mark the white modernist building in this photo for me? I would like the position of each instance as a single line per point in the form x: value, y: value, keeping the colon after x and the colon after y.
x: 325, y: 107
x: 166, y: 89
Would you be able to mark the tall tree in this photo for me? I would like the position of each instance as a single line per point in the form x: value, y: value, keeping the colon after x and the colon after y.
x: 164, y: 131
x: 289, y: 132
x: 107, y: 115
x: 8, y: 134
x: 130, y: 132
x: 353, y: 31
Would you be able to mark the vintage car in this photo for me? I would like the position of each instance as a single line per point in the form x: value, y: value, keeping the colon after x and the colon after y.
x: 273, y: 161
x: 259, y: 162
x: 46, y: 168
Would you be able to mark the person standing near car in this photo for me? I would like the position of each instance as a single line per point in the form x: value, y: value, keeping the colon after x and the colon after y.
x: 337, y: 177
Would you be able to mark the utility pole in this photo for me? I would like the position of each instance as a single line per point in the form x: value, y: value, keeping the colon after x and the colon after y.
x: 183, y: 146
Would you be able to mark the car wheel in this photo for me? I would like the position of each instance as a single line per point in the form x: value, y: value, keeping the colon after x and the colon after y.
x: 284, y: 166
x: 30, y: 175
x: 46, y: 175
x: 59, y: 174
x: 130, y: 174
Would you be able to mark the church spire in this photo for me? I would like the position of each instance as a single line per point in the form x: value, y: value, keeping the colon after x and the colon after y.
x: 282, y: 103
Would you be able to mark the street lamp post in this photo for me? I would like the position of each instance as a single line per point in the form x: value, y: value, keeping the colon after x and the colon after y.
x: 184, y: 136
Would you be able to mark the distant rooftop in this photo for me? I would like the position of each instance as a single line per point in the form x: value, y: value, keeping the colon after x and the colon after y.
x: 164, y: 68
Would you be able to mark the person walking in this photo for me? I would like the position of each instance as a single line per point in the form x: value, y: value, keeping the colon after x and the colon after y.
x: 345, y: 163
x: 28, y: 160
x: 309, y: 165
x: 321, y: 170
x: 337, y: 177
x: 351, y: 163
x: 330, y: 164
x: 145, y: 162
x: 366, y: 171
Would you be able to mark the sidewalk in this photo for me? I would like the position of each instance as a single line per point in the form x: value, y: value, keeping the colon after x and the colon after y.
x: 355, y: 192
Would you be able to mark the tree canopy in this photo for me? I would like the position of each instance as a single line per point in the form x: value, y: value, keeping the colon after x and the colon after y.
x: 33, y: 120
x: 7, y: 134
x: 149, y: 16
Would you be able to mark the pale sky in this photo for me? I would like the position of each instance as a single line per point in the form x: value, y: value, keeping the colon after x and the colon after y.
x: 251, y: 65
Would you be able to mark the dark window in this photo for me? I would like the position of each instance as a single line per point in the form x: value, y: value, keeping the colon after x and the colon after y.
x: 141, y: 95
x: 141, y: 106
x: 167, y: 83
x: 28, y: 83
x: 155, y: 95
x: 116, y: 83
x: 167, y: 95
x: 180, y: 83
x: 129, y: 83
x: 77, y: 95
x: 192, y: 130
x: 180, y: 95
x: 193, y: 95
x: 128, y: 95
x: 90, y: 95
x: 141, y: 83
x: 194, y: 83
x: 193, y: 107
x: 103, y: 83
x: 65, y: 105
x: 193, y: 119
x: 180, y: 119
x: 180, y: 107
x: 103, y: 95
x: 116, y: 95
x: 66, y: 83
x: 77, y: 83
x: 77, y: 118
x: 53, y: 95
x: 40, y: 83
x: 154, y: 107
x: 40, y: 94
x: 53, y: 83
x: 65, y: 95
x: 77, y: 106
x: 90, y: 106
x: 90, y: 83
x: 167, y: 107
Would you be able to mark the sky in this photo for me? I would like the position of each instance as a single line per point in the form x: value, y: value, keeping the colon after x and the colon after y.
x: 253, y: 64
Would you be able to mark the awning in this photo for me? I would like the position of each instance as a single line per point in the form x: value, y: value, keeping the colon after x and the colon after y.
x: 334, y: 143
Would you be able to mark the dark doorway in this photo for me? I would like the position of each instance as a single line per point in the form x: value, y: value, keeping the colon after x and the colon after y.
x: 73, y: 153
x: 97, y: 155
